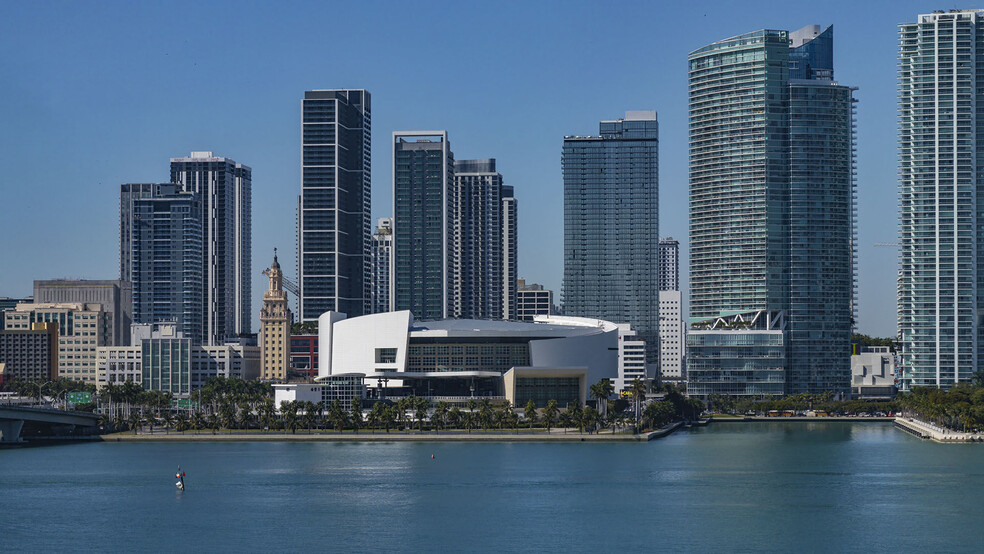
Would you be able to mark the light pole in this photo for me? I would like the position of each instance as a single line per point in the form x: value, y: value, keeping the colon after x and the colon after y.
x: 41, y: 391
x: 63, y: 394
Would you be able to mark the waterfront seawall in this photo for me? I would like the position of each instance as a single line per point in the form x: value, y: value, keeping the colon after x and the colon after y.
x: 553, y: 436
x: 925, y: 430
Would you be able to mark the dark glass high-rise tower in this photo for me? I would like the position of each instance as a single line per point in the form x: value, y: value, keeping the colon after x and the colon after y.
x: 225, y: 191
x: 611, y: 225
x: 669, y: 264
x: 333, y: 224
x: 162, y: 229
x: 510, y: 254
x: 482, y: 206
x: 424, y: 257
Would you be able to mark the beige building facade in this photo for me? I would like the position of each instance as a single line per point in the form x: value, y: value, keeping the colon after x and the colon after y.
x: 82, y: 328
x: 275, y: 321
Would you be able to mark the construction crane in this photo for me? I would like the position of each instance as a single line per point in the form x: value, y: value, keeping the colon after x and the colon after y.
x: 289, y: 286
x: 891, y: 244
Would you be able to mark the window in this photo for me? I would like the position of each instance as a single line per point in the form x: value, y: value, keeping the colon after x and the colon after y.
x: 386, y: 355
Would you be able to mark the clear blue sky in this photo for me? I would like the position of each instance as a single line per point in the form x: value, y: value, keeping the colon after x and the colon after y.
x: 94, y: 94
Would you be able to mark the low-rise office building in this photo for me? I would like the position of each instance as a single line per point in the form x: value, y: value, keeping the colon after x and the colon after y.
x: 162, y: 359
x: 29, y: 354
x: 304, y: 355
x: 631, y: 358
x: 82, y: 328
x: 873, y: 375
x: 115, y: 298
x: 533, y: 300
x: 342, y: 387
x: 7, y: 303
x: 739, y: 354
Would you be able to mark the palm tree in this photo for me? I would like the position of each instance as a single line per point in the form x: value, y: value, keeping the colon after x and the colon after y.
x: 267, y: 412
x: 454, y: 417
x: 512, y: 419
x: 401, y: 407
x: 550, y: 413
x: 227, y: 415
x: 375, y: 415
x: 288, y: 411
x: 181, y: 422
x: 338, y: 414
x: 310, y: 416
x: 589, y: 419
x: 440, y: 415
x: 600, y: 391
x: 168, y: 421
x: 134, y: 421
x: 529, y: 412
x: 356, y: 413
x: 388, y: 414
x: 574, y: 416
x: 421, y: 405
x: 485, y: 415
x: 244, y: 418
x: 638, y: 392
x: 197, y: 420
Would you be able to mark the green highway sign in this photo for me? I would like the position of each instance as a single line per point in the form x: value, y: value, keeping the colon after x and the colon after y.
x: 80, y: 397
x: 182, y: 402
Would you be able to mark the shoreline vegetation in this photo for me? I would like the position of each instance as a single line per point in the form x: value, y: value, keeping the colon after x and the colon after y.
x: 247, y: 409
x: 455, y: 435
x: 234, y: 409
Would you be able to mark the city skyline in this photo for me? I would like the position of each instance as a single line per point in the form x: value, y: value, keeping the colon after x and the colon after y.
x: 168, y: 121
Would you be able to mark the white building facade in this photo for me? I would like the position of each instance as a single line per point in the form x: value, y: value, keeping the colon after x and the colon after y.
x: 672, y: 336
x: 631, y: 358
x: 455, y: 360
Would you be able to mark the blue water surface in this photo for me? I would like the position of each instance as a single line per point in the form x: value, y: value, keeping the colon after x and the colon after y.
x: 730, y: 487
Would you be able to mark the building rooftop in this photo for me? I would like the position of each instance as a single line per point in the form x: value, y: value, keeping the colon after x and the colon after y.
x: 548, y: 326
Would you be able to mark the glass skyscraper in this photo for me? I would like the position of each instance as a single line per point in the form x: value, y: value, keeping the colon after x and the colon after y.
x: 484, y: 236
x: 611, y: 225
x: 669, y: 264
x: 424, y: 257
x: 941, y: 189
x: 162, y: 228
x: 225, y: 190
x: 382, y: 258
x: 772, y: 199
x: 333, y: 223
x: 510, y: 254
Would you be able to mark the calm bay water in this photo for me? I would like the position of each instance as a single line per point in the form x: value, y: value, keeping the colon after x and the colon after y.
x: 729, y: 487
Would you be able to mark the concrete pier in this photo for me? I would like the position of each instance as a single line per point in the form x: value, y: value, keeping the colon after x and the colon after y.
x: 935, y: 433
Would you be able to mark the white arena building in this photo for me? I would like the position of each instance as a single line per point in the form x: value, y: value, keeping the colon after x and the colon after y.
x: 455, y: 360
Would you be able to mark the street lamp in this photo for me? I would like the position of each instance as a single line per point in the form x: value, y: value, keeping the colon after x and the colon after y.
x: 41, y: 391
x: 64, y: 395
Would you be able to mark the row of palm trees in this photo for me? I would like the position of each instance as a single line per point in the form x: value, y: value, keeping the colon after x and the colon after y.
x: 409, y: 413
x: 43, y: 388
x: 960, y: 408
x: 238, y: 404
